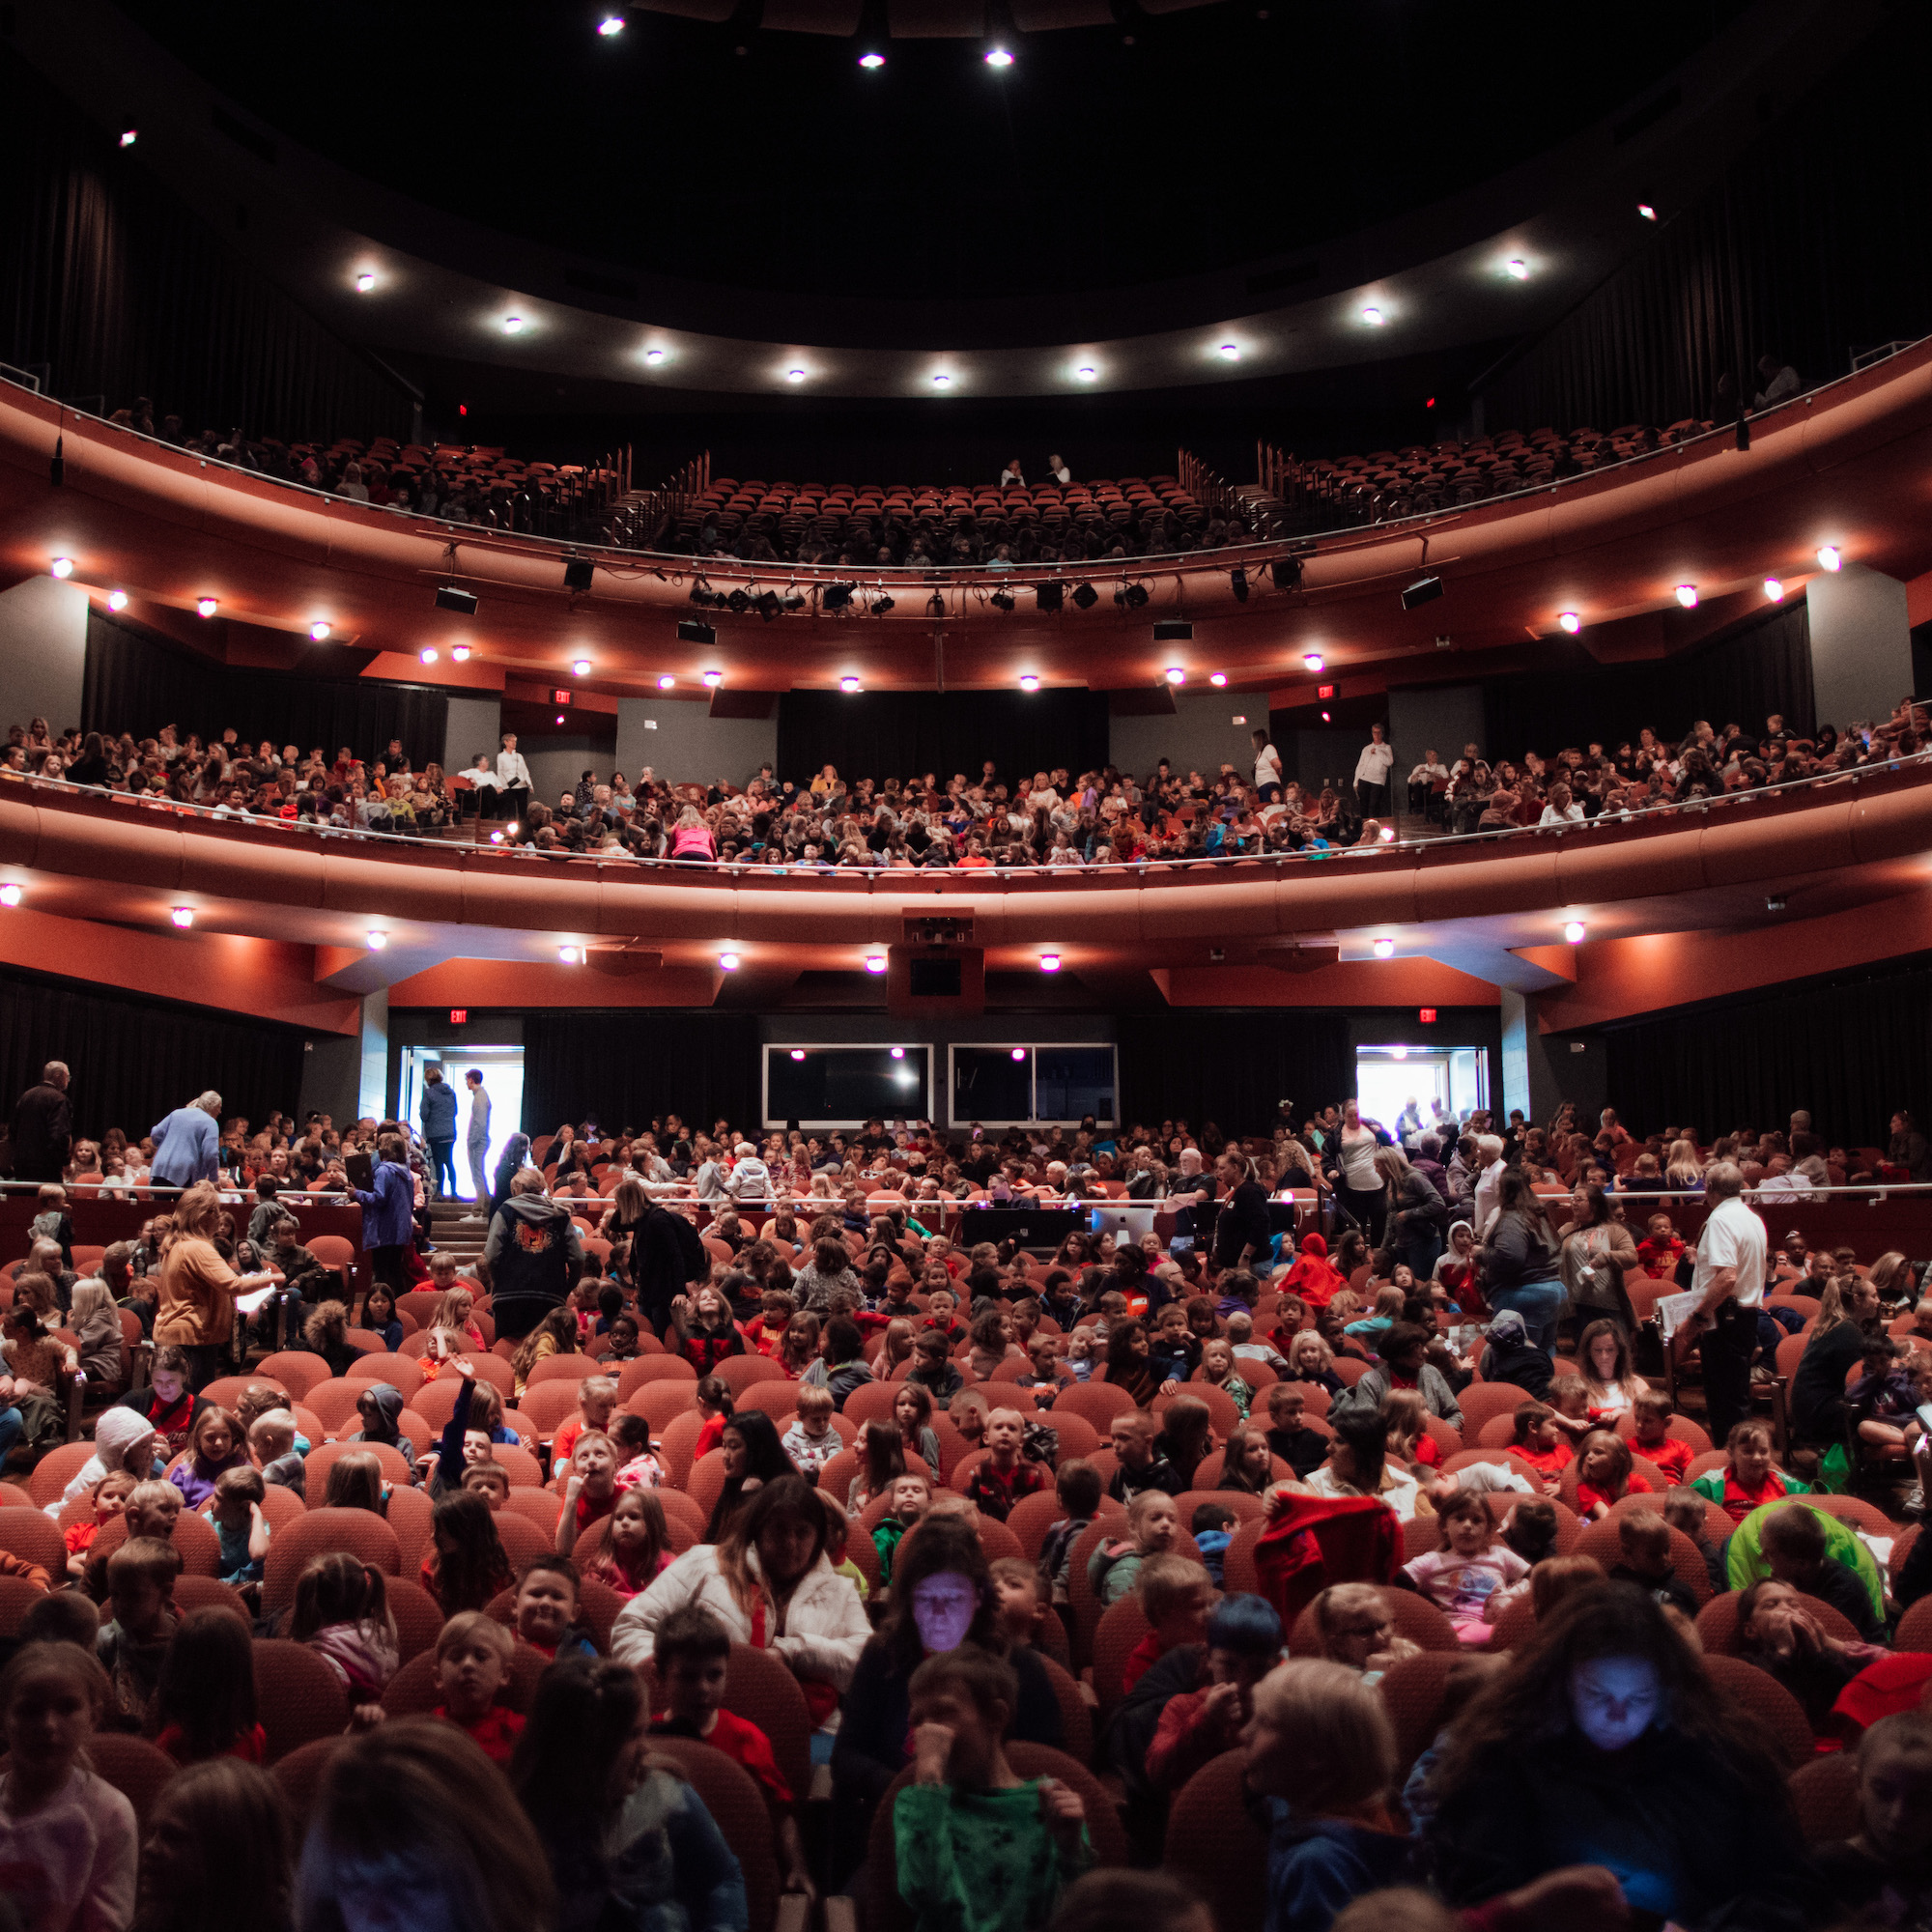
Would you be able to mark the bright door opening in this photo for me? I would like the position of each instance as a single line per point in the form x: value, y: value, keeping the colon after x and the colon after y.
x: 1438, y: 1081
x: 503, y: 1071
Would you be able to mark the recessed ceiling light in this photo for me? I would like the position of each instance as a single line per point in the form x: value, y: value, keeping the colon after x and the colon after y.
x: 1518, y: 269
x: 513, y: 325
x: 569, y: 956
x: 848, y: 684
x: 728, y: 961
x: 182, y: 917
x: 1231, y: 352
x: 794, y: 375
x: 1387, y: 834
x: 1829, y: 557
x: 1644, y: 208
x: 10, y: 894
x: 117, y: 599
x: 942, y: 380
x: 1217, y: 678
x: 559, y: 717
x: 1049, y: 962
x: 999, y: 57
x: 1573, y: 932
x: 364, y: 283
x: 875, y: 962
x: 1019, y: 1053
x: 666, y: 681
x: 714, y: 679
x: 1029, y: 682
x: 1374, y: 317
x: 1175, y: 674
x: 459, y: 654
x: 1774, y: 590
x: 871, y: 62
x: 1086, y: 372
x: 898, y: 1053
x: 1313, y: 661
x: 205, y: 607
x: 378, y: 939
x: 798, y: 1053
x: 62, y: 566
x: 1570, y: 621
x: 1384, y: 949
x: 428, y: 654
x: 581, y: 668
x: 610, y: 26
x: 654, y: 355
x: 319, y: 630
x: 1687, y: 595
x: 128, y: 136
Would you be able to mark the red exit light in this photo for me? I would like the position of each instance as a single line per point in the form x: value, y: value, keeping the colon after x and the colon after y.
x: 459, y: 1017
x: 1325, y: 691
x: 559, y: 698
x: 1427, y: 1015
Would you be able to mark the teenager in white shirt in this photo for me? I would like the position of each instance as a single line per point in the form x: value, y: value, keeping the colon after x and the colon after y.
x: 1268, y: 769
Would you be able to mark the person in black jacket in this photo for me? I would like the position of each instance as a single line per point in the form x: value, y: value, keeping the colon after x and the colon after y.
x: 665, y: 1254
x: 516, y: 1155
x: 1510, y: 1356
x: 1241, y: 1232
x: 43, y: 1126
x: 1520, y: 1260
x: 1848, y: 1318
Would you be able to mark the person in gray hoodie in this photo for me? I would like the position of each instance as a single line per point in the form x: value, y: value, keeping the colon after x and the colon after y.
x: 438, y: 1129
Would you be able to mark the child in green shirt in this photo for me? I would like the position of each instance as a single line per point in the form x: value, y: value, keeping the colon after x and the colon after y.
x: 979, y: 1848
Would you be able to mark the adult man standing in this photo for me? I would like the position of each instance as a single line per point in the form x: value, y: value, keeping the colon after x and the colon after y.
x: 1489, y: 1181
x: 1729, y: 1282
x: 477, y: 1140
x: 1371, y: 773
x: 43, y: 1126
x: 438, y: 1128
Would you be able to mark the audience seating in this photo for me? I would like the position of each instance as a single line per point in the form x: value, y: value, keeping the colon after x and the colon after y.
x: 134, y: 1768
x: 210, y: 1593
x: 1415, y: 1618
x: 1717, y: 1623
x: 298, y: 1777
x: 1213, y: 1843
x: 1768, y: 1701
x: 738, y: 1806
x: 1824, y: 1794
x: 366, y: 1537
x: 298, y: 1697
x: 413, y: 1690
x: 193, y: 1536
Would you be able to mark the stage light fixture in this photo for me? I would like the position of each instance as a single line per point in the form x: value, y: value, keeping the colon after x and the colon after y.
x: 798, y: 1053
x: 714, y: 679
x: 1374, y: 317
x: 1327, y: 718
x: 1384, y: 949
x: 459, y: 654
x: 1773, y: 590
x: 610, y: 26
x: 1029, y: 682
x: 427, y: 654
x: 654, y: 357
x: 835, y: 596
x: 1398, y: 1053
x: 1644, y: 208
x: 128, y: 136
x: 998, y: 58
x: 871, y: 63
x: 1687, y: 595
x: 728, y: 961
x: 1387, y: 834
x: 1313, y: 661
x: 794, y: 375
x: 364, y: 283
x: 738, y: 602
x: 1001, y: 600
x: 1229, y: 352
x: 569, y: 956
x: 578, y: 572
x: 882, y: 603
x: 1087, y: 373
x: 935, y: 606
x: 666, y: 682
x: 377, y: 938
x: 1573, y: 932
x: 62, y: 567
x: 1286, y: 572
x: 1049, y: 962
x: 448, y: 597
x: 182, y: 917
x: 1237, y: 582
x: 1134, y: 596
x: 1085, y: 596
x: 1049, y: 597
x: 1019, y: 1053
x: 1173, y: 674
x: 849, y: 684
x: 1829, y: 557
x: 1424, y: 590
x: 1518, y: 271
x: 1571, y: 621
x: 513, y: 325
x: 898, y: 1053
x: 942, y: 380
x: 117, y: 599
x: 206, y: 606
x: 559, y: 717
x: 10, y: 894
x: 1217, y: 678
x: 319, y: 630
x: 875, y: 962
x: 766, y: 604
x: 692, y: 631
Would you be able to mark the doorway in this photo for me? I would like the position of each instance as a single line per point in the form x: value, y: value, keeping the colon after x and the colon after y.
x: 1441, y: 1081
x: 503, y: 1071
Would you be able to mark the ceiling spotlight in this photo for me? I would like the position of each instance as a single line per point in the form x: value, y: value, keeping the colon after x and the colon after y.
x: 10, y: 894
x: 1518, y: 270
x: 1374, y: 317
x: 898, y: 1053
x: 1644, y: 208
x: 364, y: 282
x: 1019, y: 1053
x: 935, y: 606
x: 881, y: 604
x: 1029, y: 682
x: 1573, y: 932
x: 1049, y: 962
x: 654, y: 357
x: 117, y: 599
x: 569, y: 956
x: 875, y: 962
x: 871, y: 63
x: 128, y: 136
x: 1313, y: 661
x: 1327, y: 718
x: 1086, y: 372
x: 1231, y: 352
x: 610, y: 26
x: 559, y: 717
x: 1829, y: 557
x: 1773, y: 590
x: 798, y: 1053
x: 1384, y: 949
x: 427, y: 654
x: 1085, y: 596
x: 728, y: 961
x: 1570, y: 621
x: 794, y: 375
x: 666, y: 682
x: 714, y: 679
x: 581, y: 668
x: 942, y: 380
x: 378, y: 939
x: 459, y: 654
x: 1175, y: 674
x: 62, y: 566
x: 513, y: 325
x: 848, y: 684
x: 182, y: 917
x: 319, y: 630
x: 1388, y: 834
x: 1217, y: 678
x: 1001, y: 601
x: 1687, y: 595
x: 999, y: 57
x: 205, y: 607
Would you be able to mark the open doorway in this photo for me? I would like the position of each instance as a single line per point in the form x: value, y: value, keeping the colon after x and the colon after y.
x: 1441, y: 1081
x: 503, y: 1071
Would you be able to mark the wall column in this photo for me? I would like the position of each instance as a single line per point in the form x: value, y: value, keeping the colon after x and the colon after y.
x: 43, y: 650
x: 1860, y: 644
x: 372, y: 1086
x: 1541, y: 1070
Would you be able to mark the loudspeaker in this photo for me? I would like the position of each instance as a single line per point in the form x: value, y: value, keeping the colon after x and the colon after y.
x: 1424, y: 590
x: 1173, y: 631
x: 449, y: 598
x: 1050, y: 596
x: 578, y: 572
x: 691, y: 632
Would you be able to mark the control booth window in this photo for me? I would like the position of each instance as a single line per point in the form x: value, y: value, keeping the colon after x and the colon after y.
x: 846, y: 1086
x: 1021, y: 1083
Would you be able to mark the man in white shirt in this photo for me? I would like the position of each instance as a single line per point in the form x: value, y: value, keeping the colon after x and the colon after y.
x: 513, y: 778
x: 1729, y: 1282
x: 1489, y: 1182
x: 1372, y: 775
x: 1268, y: 769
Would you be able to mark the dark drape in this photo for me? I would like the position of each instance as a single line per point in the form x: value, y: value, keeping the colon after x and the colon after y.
x: 132, y: 1060
x: 1813, y: 243
x: 622, y: 1068
x: 1742, y: 678
x: 1851, y: 1050
x: 122, y: 292
x: 879, y: 734
x: 1231, y: 1068
x: 136, y: 681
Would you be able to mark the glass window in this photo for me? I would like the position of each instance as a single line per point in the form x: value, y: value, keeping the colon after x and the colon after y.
x: 1071, y: 1081
x: 844, y: 1085
x: 988, y: 1084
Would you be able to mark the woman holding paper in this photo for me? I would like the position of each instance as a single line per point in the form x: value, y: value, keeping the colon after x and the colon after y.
x: 196, y: 1311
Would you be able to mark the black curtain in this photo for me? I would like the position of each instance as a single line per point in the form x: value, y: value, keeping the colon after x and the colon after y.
x: 132, y: 1060
x: 883, y: 734
x: 120, y: 291
x: 135, y: 680
x: 1852, y: 1050
x: 1762, y: 666
x: 1811, y: 245
x: 624, y: 1068
x: 1231, y: 1068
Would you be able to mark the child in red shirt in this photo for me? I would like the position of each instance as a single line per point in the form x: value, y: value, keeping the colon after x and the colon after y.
x: 1541, y: 1443
x: 110, y: 1500
x: 472, y: 1671
x: 692, y: 1657
x: 1652, y: 1413
x: 1177, y: 1594
x: 1661, y: 1253
x: 1750, y: 1477
x: 1604, y: 1475
x: 715, y: 1405
x: 1004, y: 1476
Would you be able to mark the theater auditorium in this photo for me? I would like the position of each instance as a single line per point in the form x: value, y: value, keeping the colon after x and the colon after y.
x: 965, y: 966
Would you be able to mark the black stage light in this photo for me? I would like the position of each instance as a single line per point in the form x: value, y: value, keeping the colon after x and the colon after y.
x: 739, y: 601
x: 1424, y: 590
x: 692, y: 631
x: 768, y: 605
x: 1135, y: 596
x: 935, y: 606
x: 881, y: 605
x: 792, y: 600
x: 577, y: 573
x: 1049, y: 596
x: 1002, y: 600
x: 1237, y: 582
x: 835, y: 596
x: 1173, y: 631
x: 449, y: 598
x: 702, y: 593
x: 1286, y: 572
x: 1085, y: 596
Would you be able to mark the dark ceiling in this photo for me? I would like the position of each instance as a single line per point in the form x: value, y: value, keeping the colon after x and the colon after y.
x: 766, y: 160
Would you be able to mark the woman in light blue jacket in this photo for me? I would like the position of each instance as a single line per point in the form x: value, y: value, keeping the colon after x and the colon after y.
x: 186, y: 1143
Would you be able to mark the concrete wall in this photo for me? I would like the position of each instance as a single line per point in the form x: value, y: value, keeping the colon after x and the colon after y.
x: 1316, y: 759
x: 331, y: 1077
x: 1201, y: 735
x: 1438, y: 717
x: 681, y: 742
x: 557, y: 763
x: 475, y: 726
x: 1541, y: 1070
x: 42, y: 651
x: 1860, y: 644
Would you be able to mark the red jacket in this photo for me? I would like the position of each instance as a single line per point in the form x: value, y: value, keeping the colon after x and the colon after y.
x: 1316, y: 1542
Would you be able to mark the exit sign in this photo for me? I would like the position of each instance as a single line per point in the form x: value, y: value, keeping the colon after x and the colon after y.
x: 1427, y: 1015
x: 459, y: 1017
x: 1325, y: 691
x: 560, y: 696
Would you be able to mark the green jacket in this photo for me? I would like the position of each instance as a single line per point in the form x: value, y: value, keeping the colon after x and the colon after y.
x: 1745, y: 1562
x: 979, y: 1861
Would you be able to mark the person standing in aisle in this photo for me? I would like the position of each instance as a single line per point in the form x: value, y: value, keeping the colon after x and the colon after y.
x: 1268, y: 769
x: 439, y: 1130
x: 1729, y: 1280
x: 1371, y: 773
x: 479, y: 1139
x: 513, y: 781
